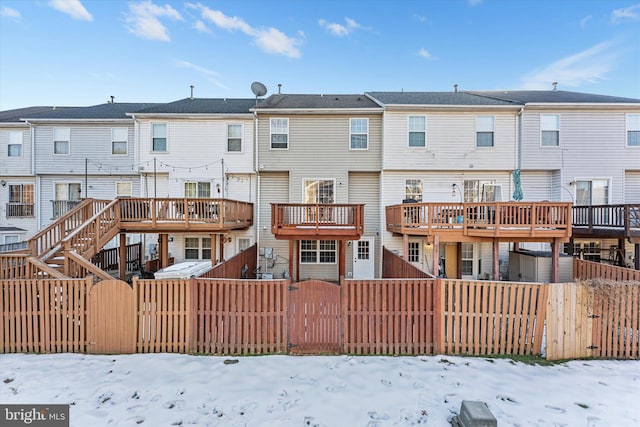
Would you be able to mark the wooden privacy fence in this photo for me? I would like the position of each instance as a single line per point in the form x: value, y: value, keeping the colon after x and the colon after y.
x: 394, y: 266
x: 591, y: 270
x: 400, y: 316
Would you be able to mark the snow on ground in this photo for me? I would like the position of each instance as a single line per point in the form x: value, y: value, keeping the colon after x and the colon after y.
x: 172, y: 389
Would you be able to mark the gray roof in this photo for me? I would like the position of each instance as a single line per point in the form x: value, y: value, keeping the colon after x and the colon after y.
x: 97, y: 112
x: 202, y: 106
x: 553, y: 96
x: 437, y: 98
x: 287, y: 101
x: 10, y: 116
x: 3, y: 229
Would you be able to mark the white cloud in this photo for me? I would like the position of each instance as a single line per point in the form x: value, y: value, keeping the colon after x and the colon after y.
x: 202, y: 27
x: 269, y: 39
x: 425, y: 54
x: 338, y: 29
x: 420, y: 18
x: 144, y: 20
x: 588, y: 66
x: 73, y: 8
x: 631, y: 12
x: 585, y: 20
x: 474, y: 2
x: 7, y: 12
x: 210, y: 75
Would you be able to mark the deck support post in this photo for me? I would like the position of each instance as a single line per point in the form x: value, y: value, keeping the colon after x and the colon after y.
x: 555, y: 261
x: 291, y: 252
x: 496, y: 259
x: 163, y: 251
x: 436, y: 254
x: 123, y: 257
x: 223, y: 238
x: 297, y: 260
x: 636, y: 256
x: 405, y: 246
x: 459, y: 261
x: 213, y: 249
x: 622, y: 252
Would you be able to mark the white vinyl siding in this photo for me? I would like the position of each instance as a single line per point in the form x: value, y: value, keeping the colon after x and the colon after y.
x: 549, y: 130
x: 119, y: 140
x: 633, y: 130
x: 417, y: 131
x: 159, y: 137
x: 234, y: 138
x: 279, y: 133
x: 61, y: 141
x: 359, y: 134
x: 484, y: 131
x: 632, y: 187
x: 15, y: 144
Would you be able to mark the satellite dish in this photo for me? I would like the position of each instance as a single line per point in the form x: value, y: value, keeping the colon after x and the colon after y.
x: 258, y: 89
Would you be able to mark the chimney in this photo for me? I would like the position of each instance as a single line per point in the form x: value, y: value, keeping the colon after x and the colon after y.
x: 112, y: 98
x: 192, y: 87
x: 555, y: 85
x: 455, y: 88
x: 279, y: 88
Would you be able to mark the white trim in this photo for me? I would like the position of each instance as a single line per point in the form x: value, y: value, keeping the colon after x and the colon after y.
x: 351, y: 148
x: 68, y: 140
x: 627, y: 130
x: 493, y: 131
x: 271, y: 147
x: 552, y: 130
x: 317, y: 252
x: 123, y: 182
x: 151, y: 150
x: 226, y: 144
x: 10, y: 143
x: 409, y: 131
x: 126, y: 141
x: 317, y: 179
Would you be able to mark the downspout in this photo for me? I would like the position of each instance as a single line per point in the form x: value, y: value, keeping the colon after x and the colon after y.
x: 36, y: 190
x: 256, y: 169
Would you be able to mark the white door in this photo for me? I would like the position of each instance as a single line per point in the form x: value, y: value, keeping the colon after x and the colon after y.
x: 363, y: 257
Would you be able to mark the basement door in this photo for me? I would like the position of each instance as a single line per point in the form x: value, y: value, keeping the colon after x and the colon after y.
x: 363, y: 256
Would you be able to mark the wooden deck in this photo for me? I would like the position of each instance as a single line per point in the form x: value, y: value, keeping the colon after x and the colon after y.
x: 183, y: 215
x: 469, y: 222
x: 317, y: 221
x: 607, y: 221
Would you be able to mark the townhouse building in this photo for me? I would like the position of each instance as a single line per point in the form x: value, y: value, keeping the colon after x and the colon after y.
x: 198, y: 148
x: 319, y: 150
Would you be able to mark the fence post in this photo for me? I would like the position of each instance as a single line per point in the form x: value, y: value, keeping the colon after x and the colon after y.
x: 344, y: 294
x: 192, y: 315
x: 438, y: 316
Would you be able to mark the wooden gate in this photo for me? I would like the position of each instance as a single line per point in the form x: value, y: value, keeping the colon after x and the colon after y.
x: 112, y: 318
x: 314, y: 317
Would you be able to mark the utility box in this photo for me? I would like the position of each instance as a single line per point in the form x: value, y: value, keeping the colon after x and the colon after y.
x: 535, y: 266
x: 268, y: 253
x: 474, y: 414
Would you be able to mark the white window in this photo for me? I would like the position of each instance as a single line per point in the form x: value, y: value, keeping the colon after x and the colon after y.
x: 197, y: 248
x: 318, y: 191
x: 198, y: 190
x: 633, y: 130
x: 417, y: 131
x: 550, y: 130
x: 480, y: 191
x: 61, y: 138
x: 467, y: 259
x: 279, y: 133
x: 244, y: 243
x: 592, y: 192
x: 68, y: 191
x: 15, y: 144
x: 124, y: 189
x: 159, y: 137
x: 414, y: 252
x: 359, y: 134
x: 11, y: 238
x: 234, y: 137
x: 413, y: 189
x: 119, y: 139
x: 484, y: 131
x: 20, y: 201
x: 318, y: 251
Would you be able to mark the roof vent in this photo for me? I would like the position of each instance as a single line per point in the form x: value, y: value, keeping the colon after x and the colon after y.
x: 112, y: 98
x: 192, y: 87
x: 279, y: 88
x: 455, y: 88
x: 555, y: 85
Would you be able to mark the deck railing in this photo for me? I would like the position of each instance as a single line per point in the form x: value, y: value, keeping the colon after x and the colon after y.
x: 480, y: 218
x: 62, y: 207
x: 224, y: 212
x: 625, y: 217
x: 17, y: 210
x: 93, y: 234
x: 317, y: 216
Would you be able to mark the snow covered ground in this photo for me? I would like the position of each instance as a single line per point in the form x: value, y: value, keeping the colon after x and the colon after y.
x: 172, y: 389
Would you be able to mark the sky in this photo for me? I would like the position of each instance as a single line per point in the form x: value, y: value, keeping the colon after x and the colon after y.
x: 320, y: 391
x: 81, y: 52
